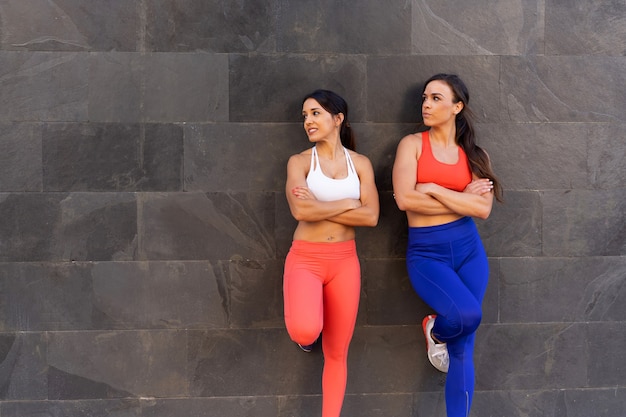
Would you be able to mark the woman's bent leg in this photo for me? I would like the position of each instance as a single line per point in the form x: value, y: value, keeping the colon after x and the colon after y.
x: 302, y: 293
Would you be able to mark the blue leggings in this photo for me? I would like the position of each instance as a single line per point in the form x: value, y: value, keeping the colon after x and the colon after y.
x: 448, y: 268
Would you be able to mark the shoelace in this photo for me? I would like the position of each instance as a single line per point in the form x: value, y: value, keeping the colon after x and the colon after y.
x: 441, y: 356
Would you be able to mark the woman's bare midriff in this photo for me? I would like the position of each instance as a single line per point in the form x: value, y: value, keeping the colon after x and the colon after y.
x: 323, y: 231
x: 421, y: 220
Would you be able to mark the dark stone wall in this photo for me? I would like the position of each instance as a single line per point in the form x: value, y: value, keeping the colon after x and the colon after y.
x: 143, y: 227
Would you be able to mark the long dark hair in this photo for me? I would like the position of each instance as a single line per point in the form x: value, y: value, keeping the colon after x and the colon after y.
x: 465, y: 135
x: 334, y: 104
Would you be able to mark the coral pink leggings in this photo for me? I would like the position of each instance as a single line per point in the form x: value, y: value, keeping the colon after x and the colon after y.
x: 321, y: 287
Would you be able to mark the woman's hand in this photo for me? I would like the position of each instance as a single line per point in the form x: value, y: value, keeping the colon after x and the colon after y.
x: 303, y: 193
x: 479, y: 186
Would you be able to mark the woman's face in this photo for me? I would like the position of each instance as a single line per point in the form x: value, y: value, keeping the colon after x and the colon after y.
x: 319, y: 124
x: 437, y: 104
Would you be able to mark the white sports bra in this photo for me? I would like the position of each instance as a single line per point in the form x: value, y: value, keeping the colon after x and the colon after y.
x: 331, y: 189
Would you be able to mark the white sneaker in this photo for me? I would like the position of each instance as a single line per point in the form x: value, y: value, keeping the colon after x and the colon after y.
x: 437, y: 352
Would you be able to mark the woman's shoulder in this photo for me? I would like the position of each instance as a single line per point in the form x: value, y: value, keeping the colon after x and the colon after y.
x: 412, y: 140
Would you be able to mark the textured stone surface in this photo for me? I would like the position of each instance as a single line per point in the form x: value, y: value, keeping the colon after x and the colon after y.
x: 512, y: 27
x: 20, y: 159
x: 198, y: 25
x: 270, y: 88
x: 112, y: 157
x: 395, y: 84
x: 338, y: 27
x: 144, y: 224
x: 588, y: 28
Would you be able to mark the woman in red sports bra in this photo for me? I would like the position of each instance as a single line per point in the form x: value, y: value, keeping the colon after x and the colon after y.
x: 442, y: 179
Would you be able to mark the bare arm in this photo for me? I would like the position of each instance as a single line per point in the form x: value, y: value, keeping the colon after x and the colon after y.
x: 408, y: 198
x: 475, y: 201
x: 302, y: 204
x: 367, y: 214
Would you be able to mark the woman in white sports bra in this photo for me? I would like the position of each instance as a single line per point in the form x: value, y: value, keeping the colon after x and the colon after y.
x: 330, y: 189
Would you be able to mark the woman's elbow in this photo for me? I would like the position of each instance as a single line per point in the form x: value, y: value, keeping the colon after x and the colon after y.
x: 401, y: 203
x: 483, y: 213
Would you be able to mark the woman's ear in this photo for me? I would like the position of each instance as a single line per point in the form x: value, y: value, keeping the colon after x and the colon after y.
x: 458, y: 106
x: 339, y: 119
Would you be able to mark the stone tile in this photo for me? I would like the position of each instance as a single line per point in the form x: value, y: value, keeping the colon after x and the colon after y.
x: 115, y: 87
x: 211, y: 226
x: 185, y: 87
x: 390, y: 359
x: 40, y: 297
x: 589, y: 28
x: 491, y: 302
x: 602, y: 338
x: 70, y: 25
x: 389, y: 237
x: 607, y: 155
x: 430, y: 403
x: 540, y: 160
x: 285, y: 225
x: 514, y: 228
x: 78, y: 226
x: 28, y: 229
x: 584, y: 223
x: 533, y: 356
x: 376, y: 405
x: 477, y: 28
x: 266, y: 88
x: 271, y: 362
x: 150, y: 295
x: 389, y: 296
x: 44, y: 86
x: 120, y: 364
x: 83, y: 408
x: 557, y: 89
x: 23, y: 367
x: 216, y: 153
x: 213, y: 407
x: 20, y: 157
x: 254, y: 292
x: 395, y: 83
x: 112, y: 157
x: 562, y: 289
x: 334, y: 26
x: 601, y: 402
x: 379, y: 141
x: 197, y: 25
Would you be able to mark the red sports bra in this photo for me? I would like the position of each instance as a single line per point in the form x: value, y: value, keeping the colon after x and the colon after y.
x: 451, y: 176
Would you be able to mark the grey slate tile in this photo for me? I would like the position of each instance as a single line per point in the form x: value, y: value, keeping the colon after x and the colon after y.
x: 394, y: 85
x: 44, y: 86
x: 207, y: 226
x: 71, y: 25
x: 20, y: 157
x: 23, y: 367
x: 584, y: 222
x: 270, y: 88
x: 197, y: 25
x: 94, y: 365
x: 557, y: 89
x: 590, y: 28
x: 588, y: 289
x: 477, y: 28
x: 242, y: 157
x: 112, y: 157
x: 369, y: 27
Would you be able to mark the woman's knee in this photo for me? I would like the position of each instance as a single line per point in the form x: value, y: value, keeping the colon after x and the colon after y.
x: 471, y: 319
x: 304, y: 334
